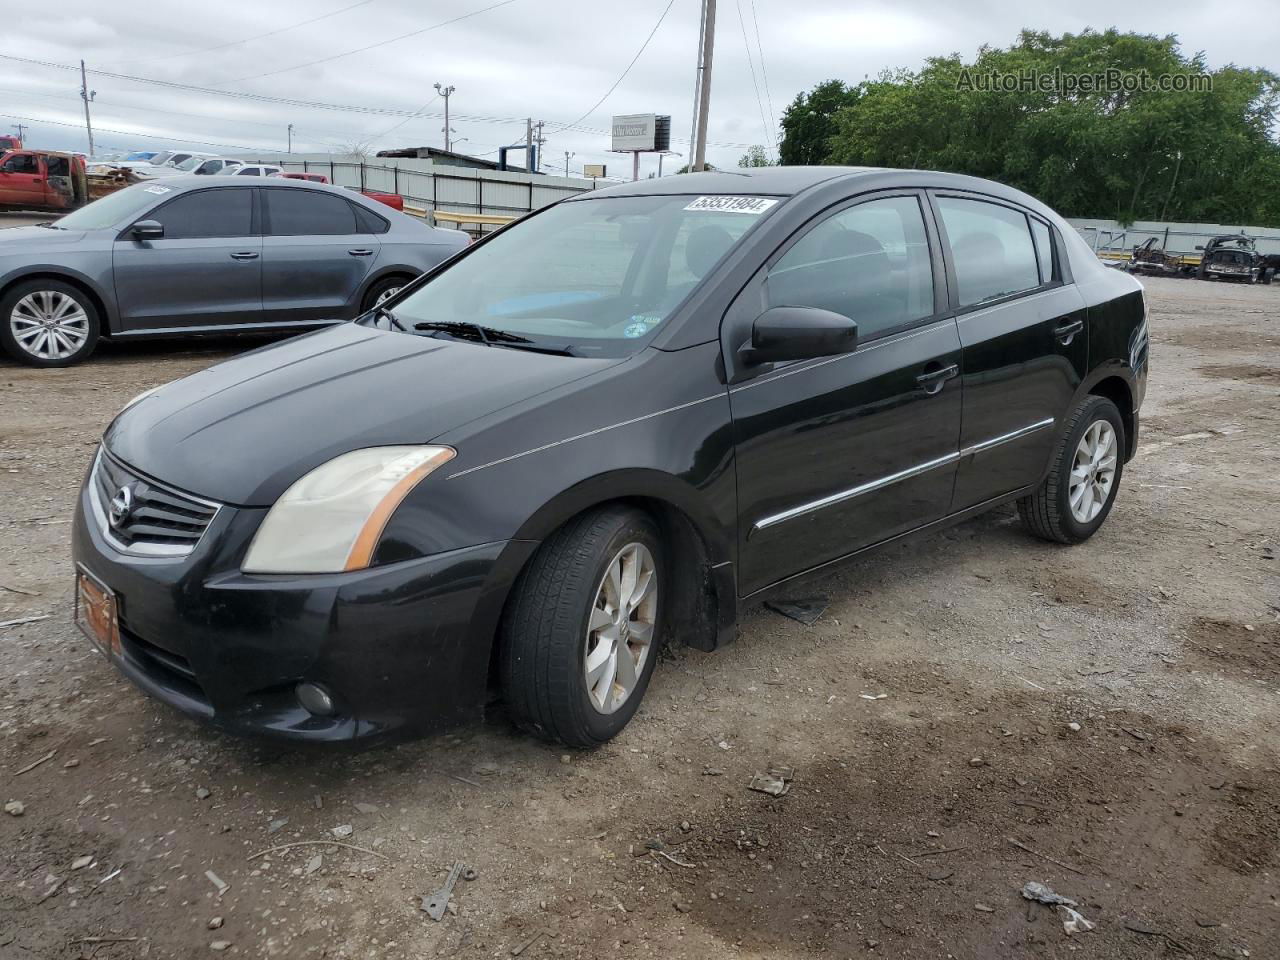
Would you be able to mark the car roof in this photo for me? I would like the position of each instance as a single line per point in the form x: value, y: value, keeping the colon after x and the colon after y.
x: 773, y: 181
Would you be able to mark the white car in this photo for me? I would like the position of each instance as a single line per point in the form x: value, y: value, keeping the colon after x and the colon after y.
x: 181, y: 163
x: 253, y: 170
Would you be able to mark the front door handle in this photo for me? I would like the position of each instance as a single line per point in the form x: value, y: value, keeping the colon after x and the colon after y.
x: 360, y: 252
x: 935, y: 377
x: 245, y: 255
x: 1067, y: 332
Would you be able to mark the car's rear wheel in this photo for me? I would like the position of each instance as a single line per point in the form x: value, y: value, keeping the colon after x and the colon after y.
x: 48, y: 323
x: 581, y: 633
x: 1078, y: 494
x: 383, y: 290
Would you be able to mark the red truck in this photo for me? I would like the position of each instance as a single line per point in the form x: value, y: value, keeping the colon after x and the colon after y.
x: 9, y: 143
x: 393, y: 200
x: 42, y: 180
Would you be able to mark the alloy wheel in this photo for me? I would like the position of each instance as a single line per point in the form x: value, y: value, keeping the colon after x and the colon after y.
x: 620, y: 631
x: 1093, y: 471
x: 49, y: 324
x: 385, y: 295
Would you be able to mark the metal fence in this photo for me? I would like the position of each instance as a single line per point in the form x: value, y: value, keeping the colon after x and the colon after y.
x: 1112, y: 237
x: 438, y: 187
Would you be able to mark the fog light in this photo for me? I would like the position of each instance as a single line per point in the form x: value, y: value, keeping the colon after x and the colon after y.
x: 315, y: 699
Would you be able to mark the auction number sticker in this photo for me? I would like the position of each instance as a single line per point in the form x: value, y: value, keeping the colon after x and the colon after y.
x: 159, y: 191
x: 752, y: 205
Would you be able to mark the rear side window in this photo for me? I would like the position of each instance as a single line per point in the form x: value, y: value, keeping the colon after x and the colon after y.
x: 307, y: 213
x: 369, y: 222
x: 869, y: 262
x: 991, y: 249
x: 207, y: 214
x: 1044, y: 249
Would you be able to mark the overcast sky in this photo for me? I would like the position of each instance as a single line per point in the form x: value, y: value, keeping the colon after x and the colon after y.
x: 549, y: 60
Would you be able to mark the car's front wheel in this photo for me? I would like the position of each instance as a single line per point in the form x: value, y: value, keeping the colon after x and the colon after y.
x: 48, y: 323
x: 582, y: 630
x: 1078, y: 494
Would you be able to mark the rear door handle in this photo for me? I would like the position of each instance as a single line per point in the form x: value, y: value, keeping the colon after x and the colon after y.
x: 1067, y: 332
x: 361, y: 252
x: 935, y: 377
x: 245, y: 255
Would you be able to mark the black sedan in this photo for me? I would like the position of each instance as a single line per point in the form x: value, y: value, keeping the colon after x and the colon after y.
x: 199, y: 255
x: 598, y: 431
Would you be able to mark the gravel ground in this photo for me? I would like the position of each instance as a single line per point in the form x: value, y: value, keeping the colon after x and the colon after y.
x: 974, y: 711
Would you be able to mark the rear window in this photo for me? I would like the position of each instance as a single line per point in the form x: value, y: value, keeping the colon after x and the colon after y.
x: 991, y: 249
x: 307, y: 213
x: 369, y: 222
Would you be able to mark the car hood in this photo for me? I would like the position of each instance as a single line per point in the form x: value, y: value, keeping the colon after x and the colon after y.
x: 242, y: 431
x: 29, y: 240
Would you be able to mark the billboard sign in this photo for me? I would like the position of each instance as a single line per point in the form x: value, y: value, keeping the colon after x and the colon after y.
x: 641, y: 132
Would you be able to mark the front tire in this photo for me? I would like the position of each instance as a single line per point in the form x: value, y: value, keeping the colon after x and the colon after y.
x: 48, y: 323
x: 1076, y: 497
x: 582, y: 630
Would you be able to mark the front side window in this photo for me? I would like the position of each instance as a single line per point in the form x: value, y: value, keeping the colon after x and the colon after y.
x: 308, y: 213
x: 991, y: 249
x: 596, y: 276
x: 207, y: 214
x: 869, y: 262
x: 21, y: 163
x: 249, y: 172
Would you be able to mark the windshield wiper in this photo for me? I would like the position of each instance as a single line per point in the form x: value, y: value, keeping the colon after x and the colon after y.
x: 489, y: 336
x: 50, y: 225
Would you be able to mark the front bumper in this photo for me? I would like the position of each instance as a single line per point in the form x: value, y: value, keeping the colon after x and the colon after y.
x: 402, y: 647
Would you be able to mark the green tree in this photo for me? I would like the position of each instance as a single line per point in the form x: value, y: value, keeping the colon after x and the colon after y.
x: 756, y: 156
x: 809, y: 123
x: 1130, y: 154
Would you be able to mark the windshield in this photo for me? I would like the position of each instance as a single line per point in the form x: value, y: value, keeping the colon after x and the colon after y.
x: 190, y: 164
x: 113, y: 209
x: 160, y: 159
x: 597, y: 277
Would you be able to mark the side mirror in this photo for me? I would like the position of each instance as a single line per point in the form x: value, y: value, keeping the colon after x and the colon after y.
x: 148, y: 230
x: 1199, y: 246
x: 799, y: 333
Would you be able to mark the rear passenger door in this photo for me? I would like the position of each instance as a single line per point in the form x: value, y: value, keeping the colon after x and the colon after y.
x: 1024, y: 337
x: 316, y: 253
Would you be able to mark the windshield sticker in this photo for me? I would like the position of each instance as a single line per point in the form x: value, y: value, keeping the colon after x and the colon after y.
x: 752, y: 205
x: 159, y: 191
x: 640, y: 325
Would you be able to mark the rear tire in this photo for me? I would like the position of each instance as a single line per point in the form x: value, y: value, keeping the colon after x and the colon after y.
x: 1081, y: 488
x: 48, y: 323
x: 382, y: 290
x: 557, y: 631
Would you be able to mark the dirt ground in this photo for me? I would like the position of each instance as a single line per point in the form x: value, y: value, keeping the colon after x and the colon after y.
x: 974, y: 711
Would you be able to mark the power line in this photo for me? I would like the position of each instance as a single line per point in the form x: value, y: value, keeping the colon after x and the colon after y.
x: 134, y: 133
x: 259, y: 36
x: 768, y: 134
x: 372, y: 46
x: 764, y: 74
x: 623, y: 76
x: 324, y: 105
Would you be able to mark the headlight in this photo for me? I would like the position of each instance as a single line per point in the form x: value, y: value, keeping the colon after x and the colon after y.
x: 331, y: 519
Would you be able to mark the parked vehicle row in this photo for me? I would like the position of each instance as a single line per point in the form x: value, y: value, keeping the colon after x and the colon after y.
x: 601, y: 429
x: 198, y: 255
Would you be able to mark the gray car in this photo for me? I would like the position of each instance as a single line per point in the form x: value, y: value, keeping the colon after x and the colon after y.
x: 199, y: 255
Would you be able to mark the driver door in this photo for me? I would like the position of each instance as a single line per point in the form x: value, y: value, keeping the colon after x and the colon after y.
x: 842, y: 452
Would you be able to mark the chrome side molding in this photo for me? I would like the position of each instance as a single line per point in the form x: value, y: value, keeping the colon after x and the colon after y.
x: 872, y: 485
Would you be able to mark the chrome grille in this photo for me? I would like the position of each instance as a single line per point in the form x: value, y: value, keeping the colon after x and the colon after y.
x: 160, y: 521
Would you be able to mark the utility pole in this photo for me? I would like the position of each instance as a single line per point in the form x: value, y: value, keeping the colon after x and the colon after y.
x: 290, y: 133
x: 567, y: 155
x: 87, y: 95
x: 446, y: 92
x: 22, y: 129
x: 539, y: 139
x: 704, y: 84
x: 697, y: 78
x: 528, y: 144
